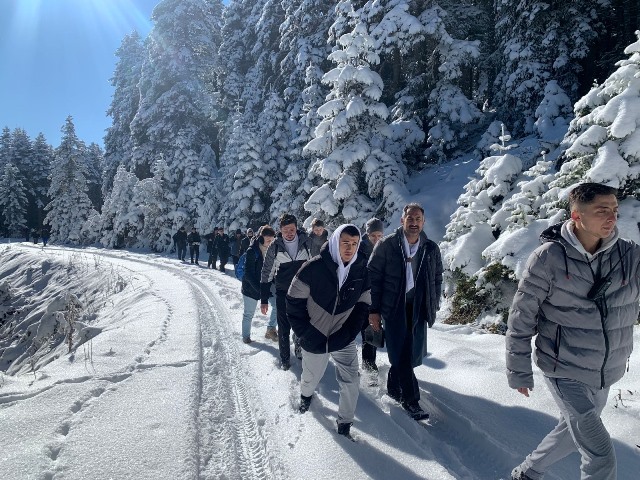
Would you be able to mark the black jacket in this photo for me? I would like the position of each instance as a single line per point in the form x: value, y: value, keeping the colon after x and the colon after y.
x: 222, y: 245
x: 317, y: 241
x: 193, y: 237
x: 252, y: 270
x: 323, y: 318
x: 180, y: 237
x: 387, y: 273
x: 246, y: 242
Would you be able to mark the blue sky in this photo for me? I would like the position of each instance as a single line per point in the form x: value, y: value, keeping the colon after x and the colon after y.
x: 56, y: 59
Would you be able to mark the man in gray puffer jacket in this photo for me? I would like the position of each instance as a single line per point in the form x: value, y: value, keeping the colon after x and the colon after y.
x: 579, y: 294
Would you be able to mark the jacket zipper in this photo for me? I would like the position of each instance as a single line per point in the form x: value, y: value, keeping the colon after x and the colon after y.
x: 603, y: 316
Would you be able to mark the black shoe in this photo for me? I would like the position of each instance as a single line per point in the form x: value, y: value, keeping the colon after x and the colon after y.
x: 305, y: 403
x: 518, y: 474
x: 285, y: 365
x: 191, y: 262
x: 344, y: 429
x: 415, y: 411
x: 197, y: 262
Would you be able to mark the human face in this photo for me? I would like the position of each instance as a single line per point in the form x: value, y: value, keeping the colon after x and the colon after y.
x: 596, y: 220
x: 289, y: 232
x: 267, y: 240
x: 348, y: 246
x: 249, y: 233
x: 374, y: 237
x: 412, y: 223
x: 318, y: 231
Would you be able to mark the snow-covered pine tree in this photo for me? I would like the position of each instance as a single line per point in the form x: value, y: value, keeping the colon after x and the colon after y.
x: 153, y: 210
x: 13, y: 202
x: 22, y: 158
x: 553, y: 114
x: 41, y: 160
x: 541, y: 41
x: 603, y: 142
x: 70, y: 206
x: 94, y: 159
x: 115, y: 227
x: 173, y: 94
x: 6, y: 150
x: 360, y: 179
x: 118, y: 143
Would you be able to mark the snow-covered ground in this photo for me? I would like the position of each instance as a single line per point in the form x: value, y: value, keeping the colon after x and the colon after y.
x: 165, y: 389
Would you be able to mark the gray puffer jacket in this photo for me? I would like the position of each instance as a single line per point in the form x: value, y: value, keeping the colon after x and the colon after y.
x: 575, y: 338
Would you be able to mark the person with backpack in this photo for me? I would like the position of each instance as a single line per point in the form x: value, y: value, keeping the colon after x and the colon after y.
x: 327, y: 303
x: 180, y: 239
x: 284, y: 258
x: 194, y: 244
x: 250, y: 272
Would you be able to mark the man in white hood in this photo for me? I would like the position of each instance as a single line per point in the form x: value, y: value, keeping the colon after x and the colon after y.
x: 327, y: 303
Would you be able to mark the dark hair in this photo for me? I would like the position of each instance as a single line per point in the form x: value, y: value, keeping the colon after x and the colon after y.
x: 287, y: 219
x: 411, y: 206
x: 350, y: 230
x: 267, y: 231
x: 587, y: 192
x: 316, y: 222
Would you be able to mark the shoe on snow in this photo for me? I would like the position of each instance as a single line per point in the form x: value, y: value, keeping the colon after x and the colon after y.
x: 285, y: 365
x: 305, y: 403
x: 246, y: 340
x: 518, y: 474
x: 415, y: 411
x: 344, y: 429
x: 271, y: 334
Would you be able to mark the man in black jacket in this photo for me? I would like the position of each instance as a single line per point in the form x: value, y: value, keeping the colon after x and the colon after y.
x: 222, y: 246
x: 317, y: 236
x: 194, y: 244
x: 180, y: 239
x: 284, y: 258
x: 327, y: 302
x: 210, y: 238
x: 406, y: 282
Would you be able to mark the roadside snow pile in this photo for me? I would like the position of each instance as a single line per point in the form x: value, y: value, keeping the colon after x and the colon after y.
x: 48, y: 306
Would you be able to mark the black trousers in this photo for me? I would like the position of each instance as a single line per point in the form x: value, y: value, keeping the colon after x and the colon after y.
x: 213, y: 256
x: 368, y: 351
x: 284, y: 327
x: 182, y: 251
x: 401, y: 381
x: 194, y: 250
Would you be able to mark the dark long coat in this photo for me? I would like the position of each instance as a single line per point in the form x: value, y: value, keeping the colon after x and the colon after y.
x: 388, y: 283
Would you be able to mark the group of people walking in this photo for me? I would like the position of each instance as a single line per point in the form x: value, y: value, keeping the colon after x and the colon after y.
x: 578, y: 296
x: 219, y: 246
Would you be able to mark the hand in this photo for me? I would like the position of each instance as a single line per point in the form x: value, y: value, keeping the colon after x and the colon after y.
x: 524, y: 391
x: 375, y: 321
x: 264, y: 308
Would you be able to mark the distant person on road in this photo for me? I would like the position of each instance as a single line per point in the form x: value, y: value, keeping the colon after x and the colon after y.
x: 327, y: 302
x: 180, y: 239
x: 284, y: 258
x: 46, y: 233
x: 236, y: 246
x: 194, y: 245
x: 317, y: 236
x: 210, y: 239
x: 578, y: 297
x: 222, y: 246
x: 246, y: 241
x: 406, y: 282
x: 251, y: 285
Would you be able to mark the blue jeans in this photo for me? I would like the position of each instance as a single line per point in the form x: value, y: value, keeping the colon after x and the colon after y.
x: 250, y: 305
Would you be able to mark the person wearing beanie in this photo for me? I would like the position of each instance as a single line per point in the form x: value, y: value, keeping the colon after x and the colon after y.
x: 375, y: 231
x: 328, y: 327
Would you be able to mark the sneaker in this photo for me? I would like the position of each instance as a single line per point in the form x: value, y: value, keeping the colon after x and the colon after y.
x: 246, y: 340
x: 305, y: 403
x: 344, y: 429
x: 271, y: 334
x: 415, y: 411
x: 285, y: 365
x: 518, y: 474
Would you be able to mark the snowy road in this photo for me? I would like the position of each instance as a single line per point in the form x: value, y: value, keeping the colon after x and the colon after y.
x: 167, y: 390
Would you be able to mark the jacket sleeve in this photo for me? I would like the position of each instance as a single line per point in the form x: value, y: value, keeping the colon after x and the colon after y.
x: 438, y: 281
x: 376, y: 267
x: 297, y: 296
x: 522, y: 324
x: 268, y: 272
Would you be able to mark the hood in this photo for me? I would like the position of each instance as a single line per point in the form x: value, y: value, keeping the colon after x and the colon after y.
x: 334, y: 250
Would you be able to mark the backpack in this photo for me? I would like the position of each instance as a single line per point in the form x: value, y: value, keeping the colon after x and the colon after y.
x: 240, y: 266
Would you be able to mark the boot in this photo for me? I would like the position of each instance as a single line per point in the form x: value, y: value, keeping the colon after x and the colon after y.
x: 305, y: 403
x: 344, y: 429
x: 271, y: 334
x: 415, y: 411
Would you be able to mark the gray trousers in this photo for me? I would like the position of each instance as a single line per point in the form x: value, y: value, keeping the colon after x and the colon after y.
x: 346, y: 361
x: 579, y: 429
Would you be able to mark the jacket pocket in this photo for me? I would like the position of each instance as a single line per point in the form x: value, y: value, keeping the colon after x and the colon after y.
x: 556, y: 348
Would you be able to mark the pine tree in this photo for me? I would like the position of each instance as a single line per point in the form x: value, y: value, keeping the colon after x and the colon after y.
x: 6, y: 149
x: 115, y: 227
x: 13, y: 201
x: 360, y: 179
x: 124, y: 105
x: 22, y: 158
x: 94, y: 159
x: 41, y: 160
x: 70, y: 206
